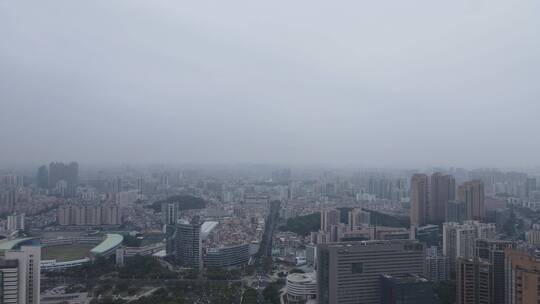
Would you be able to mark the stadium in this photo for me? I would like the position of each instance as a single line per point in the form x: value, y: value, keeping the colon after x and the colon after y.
x: 62, y: 253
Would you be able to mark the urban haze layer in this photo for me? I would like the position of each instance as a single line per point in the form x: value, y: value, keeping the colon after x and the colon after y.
x: 268, y: 234
x: 270, y: 152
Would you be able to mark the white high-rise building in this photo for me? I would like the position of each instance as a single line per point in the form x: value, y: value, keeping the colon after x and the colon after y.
x: 9, y: 270
x: 459, y: 239
x: 16, y: 221
x: 20, y: 270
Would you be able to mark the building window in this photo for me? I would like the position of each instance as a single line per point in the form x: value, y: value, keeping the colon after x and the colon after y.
x: 357, y: 267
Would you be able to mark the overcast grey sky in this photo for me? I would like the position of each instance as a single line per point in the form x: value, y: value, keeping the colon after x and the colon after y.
x: 373, y: 83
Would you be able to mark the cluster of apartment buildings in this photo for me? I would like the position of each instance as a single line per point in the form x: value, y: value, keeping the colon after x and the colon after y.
x: 89, y: 214
x: 433, y: 199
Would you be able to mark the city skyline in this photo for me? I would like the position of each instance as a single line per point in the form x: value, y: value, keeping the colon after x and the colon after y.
x: 251, y: 152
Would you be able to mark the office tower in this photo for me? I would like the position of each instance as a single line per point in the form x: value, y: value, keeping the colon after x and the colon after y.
x: 169, y: 213
x: 443, y: 190
x: 43, y: 177
x: 411, y: 289
x: 227, y: 256
x: 522, y: 278
x: 68, y: 173
x: 473, y: 281
x: 419, y: 199
x: 329, y: 218
x: 472, y: 194
x: 459, y: 239
x: 455, y: 212
x: 436, y: 265
x: 9, y: 281
x: 16, y: 221
x: 187, y: 244
x: 530, y: 186
x: 493, y: 251
x: 358, y: 217
x: 27, y: 276
x: 349, y: 272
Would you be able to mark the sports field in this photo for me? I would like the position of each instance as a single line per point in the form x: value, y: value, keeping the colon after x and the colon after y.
x: 62, y: 253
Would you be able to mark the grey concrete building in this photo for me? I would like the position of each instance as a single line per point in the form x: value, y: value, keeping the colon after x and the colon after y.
x: 350, y: 272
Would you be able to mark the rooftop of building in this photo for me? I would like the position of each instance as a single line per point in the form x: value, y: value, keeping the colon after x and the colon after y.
x: 368, y: 243
x: 207, y: 227
x: 19, y: 242
x: 111, y: 241
x: 301, y: 277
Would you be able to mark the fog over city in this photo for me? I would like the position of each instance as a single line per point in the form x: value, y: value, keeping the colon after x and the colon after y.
x: 368, y: 83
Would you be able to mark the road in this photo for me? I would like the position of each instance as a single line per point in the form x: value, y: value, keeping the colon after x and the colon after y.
x: 262, y: 258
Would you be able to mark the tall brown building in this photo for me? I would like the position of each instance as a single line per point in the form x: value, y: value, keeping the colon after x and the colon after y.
x: 522, y: 278
x: 473, y: 281
x: 443, y: 190
x: 472, y: 195
x: 419, y: 199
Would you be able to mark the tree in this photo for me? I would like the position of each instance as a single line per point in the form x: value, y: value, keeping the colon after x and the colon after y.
x: 304, y: 224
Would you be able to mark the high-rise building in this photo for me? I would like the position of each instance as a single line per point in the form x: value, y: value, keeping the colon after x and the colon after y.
x: 187, y: 244
x: 493, y: 251
x: 111, y: 214
x: 455, y: 212
x: 43, y: 177
x: 443, y: 190
x: 358, y: 217
x: 522, y: 280
x: 530, y: 186
x: 12, y: 181
x: 329, y: 218
x: 459, y: 239
x: 9, y: 281
x: 419, y: 199
x: 411, y: 289
x: 16, y: 221
x: 533, y: 237
x: 350, y: 272
x: 68, y: 173
x: 20, y: 273
x: 140, y: 186
x: 169, y: 213
x: 472, y: 195
x: 89, y: 215
x: 8, y: 199
x: 436, y: 265
x: 473, y: 281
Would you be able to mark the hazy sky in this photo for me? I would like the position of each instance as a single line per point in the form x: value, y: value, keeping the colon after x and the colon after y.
x: 372, y: 83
